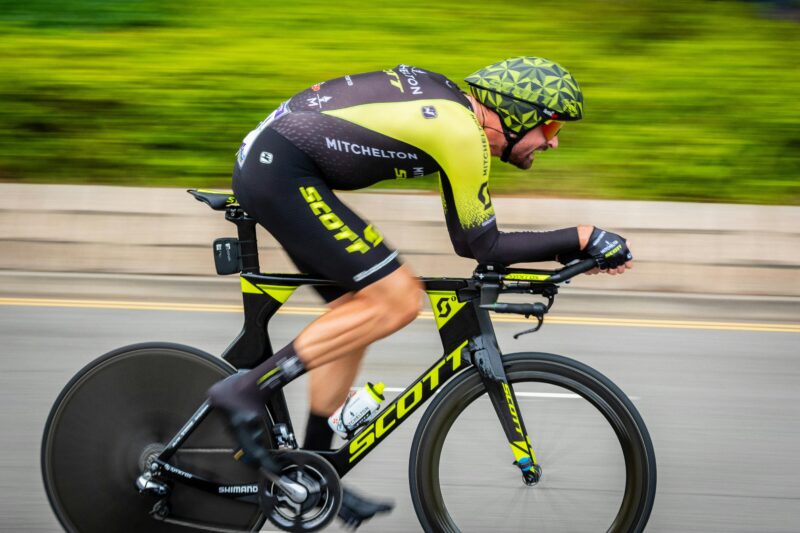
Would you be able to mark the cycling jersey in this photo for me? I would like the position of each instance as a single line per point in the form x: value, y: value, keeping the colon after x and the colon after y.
x: 402, y: 123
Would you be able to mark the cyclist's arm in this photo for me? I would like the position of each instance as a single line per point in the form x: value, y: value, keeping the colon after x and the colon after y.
x: 490, y: 245
x: 471, y: 221
x: 494, y: 246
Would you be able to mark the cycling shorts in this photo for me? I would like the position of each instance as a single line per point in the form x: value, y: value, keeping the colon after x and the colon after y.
x: 282, y: 188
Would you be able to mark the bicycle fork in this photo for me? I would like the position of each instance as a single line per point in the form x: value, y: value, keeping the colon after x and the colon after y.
x: 485, y: 355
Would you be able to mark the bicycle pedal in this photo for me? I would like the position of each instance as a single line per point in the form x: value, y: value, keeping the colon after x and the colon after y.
x: 248, y: 430
x: 243, y: 457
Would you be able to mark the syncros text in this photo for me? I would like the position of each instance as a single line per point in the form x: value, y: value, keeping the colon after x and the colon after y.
x: 404, y: 405
x: 333, y: 222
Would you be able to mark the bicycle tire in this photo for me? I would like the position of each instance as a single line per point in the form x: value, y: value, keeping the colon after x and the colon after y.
x: 114, y: 413
x: 551, y: 369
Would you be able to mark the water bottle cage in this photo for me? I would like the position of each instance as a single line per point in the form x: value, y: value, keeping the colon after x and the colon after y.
x: 350, y: 430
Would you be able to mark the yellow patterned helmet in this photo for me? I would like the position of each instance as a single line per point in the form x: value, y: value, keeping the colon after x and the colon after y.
x: 526, y: 92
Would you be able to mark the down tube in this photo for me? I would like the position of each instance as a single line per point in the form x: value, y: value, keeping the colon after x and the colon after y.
x: 396, y: 413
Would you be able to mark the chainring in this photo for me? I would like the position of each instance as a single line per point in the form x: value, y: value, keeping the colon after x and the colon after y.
x: 321, y: 481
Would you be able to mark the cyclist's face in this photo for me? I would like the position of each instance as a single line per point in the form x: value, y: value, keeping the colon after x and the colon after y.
x: 534, y: 141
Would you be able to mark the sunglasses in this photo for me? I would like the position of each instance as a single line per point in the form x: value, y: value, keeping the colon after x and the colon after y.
x: 551, y: 128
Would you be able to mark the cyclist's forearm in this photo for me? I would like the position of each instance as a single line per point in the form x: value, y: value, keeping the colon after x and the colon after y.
x: 524, y: 246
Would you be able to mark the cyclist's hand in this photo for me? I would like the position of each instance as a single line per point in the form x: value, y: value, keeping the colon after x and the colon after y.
x: 611, y: 252
x: 595, y: 240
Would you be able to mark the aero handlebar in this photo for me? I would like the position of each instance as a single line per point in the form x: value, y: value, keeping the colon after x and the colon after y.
x: 571, y: 271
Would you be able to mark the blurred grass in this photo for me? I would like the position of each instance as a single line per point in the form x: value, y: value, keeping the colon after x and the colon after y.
x: 684, y: 100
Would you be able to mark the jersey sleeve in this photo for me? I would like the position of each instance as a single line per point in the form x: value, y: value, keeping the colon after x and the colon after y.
x: 487, y: 244
x: 507, y: 248
x: 467, y: 174
x: 465, y: 160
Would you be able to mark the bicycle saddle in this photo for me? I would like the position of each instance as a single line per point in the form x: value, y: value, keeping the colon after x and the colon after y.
x: 218, y: 200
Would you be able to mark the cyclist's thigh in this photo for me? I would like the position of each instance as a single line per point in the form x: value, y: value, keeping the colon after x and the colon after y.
x: 286, y: 194
x: 329, y: 293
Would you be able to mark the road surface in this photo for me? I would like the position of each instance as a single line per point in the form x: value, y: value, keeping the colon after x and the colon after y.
x: 722, y: 403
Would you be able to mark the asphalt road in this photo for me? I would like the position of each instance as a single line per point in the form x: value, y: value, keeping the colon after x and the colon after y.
x: 722, y: 406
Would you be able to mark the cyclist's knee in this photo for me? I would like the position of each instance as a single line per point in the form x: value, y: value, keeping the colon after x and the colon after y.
x: 409, y: 304
x: 397, y: 297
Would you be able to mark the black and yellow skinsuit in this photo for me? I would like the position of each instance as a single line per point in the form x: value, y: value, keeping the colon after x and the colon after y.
x: 353, y: 131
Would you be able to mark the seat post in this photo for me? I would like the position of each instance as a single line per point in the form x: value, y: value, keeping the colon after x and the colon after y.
x: 246, y: 227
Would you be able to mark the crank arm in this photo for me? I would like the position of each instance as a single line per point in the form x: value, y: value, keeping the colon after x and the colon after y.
x: 295, y: 491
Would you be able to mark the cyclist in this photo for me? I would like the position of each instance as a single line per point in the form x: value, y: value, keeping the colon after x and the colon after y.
x: 399, y: 123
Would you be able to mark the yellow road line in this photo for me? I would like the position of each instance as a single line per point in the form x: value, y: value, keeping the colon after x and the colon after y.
x: 316, y: 311
x: 112, y: 304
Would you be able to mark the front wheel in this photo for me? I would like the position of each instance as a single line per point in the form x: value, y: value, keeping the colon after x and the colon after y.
x: 597, y: 460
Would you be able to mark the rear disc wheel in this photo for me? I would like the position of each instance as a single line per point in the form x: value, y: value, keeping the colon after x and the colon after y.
x: 114, y: 417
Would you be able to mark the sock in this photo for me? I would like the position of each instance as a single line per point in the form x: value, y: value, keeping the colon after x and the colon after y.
x: 319, y: 435
x: 250, y: 390
x: 277, y: 371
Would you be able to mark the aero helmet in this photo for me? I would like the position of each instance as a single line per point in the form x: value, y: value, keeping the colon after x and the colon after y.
x: 526, y: 92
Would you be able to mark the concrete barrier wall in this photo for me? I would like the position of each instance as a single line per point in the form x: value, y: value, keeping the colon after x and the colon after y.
x: 679, y: 247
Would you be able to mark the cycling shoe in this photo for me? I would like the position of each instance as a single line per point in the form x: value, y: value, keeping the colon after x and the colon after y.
x: 356, y: 509
x: 245, y: 417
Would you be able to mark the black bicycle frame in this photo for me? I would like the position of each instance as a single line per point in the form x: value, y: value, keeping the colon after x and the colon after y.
x: 466, y: 332
x: 467, y: 337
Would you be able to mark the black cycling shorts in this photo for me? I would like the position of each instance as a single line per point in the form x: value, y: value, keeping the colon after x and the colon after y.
x: 282, y: 188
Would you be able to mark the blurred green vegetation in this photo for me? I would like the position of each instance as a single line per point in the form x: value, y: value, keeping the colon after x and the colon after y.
x: 685, y: 100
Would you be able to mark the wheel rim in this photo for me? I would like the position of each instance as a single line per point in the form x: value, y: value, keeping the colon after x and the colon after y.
x: 442, y: 511
x: 116, y: 414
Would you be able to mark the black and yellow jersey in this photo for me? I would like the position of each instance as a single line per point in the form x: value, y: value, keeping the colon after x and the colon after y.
x: 400, y: 123
x: 405, y: 123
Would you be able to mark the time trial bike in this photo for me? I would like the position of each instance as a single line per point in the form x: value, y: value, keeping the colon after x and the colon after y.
x: 525, y: 441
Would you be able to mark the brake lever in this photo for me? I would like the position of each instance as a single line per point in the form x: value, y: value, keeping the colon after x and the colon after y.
x: 550, y: 294
x: 551, y: 298
x: 539, y: 319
